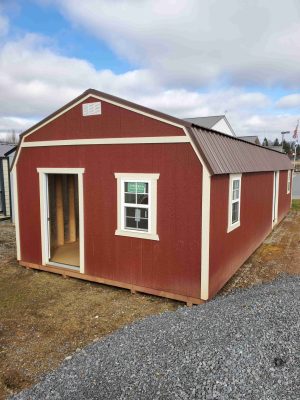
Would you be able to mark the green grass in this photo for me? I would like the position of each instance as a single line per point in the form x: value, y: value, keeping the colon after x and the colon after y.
x: 296, y: 205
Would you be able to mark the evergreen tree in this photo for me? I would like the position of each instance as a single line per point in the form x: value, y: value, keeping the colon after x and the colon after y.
x: 286, y: 147
x: 276, y: 142
x: 265, y: 142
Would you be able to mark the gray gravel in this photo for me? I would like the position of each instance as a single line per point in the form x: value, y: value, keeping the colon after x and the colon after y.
x: 241, y: 346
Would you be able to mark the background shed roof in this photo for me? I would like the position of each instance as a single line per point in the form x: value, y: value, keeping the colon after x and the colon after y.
x: 5, y: 147
x: 206, y: 122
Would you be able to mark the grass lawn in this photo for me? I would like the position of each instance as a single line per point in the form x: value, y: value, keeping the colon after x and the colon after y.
x: 296, y: 205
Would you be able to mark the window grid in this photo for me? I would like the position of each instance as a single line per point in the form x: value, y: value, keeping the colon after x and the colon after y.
x: 142, y: 211
x: 235, y: 206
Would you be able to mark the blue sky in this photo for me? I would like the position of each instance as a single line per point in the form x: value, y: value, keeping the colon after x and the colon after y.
x: 68, y: 39
x: 186, y: 58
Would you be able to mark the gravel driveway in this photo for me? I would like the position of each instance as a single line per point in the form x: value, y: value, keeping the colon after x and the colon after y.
x: 241, y: 346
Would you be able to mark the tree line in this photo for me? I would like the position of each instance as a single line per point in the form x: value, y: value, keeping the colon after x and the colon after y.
x: 288, y: 146
x: 10, y: 137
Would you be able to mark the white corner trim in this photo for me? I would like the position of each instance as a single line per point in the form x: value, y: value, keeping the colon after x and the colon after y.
x: 289, y: 182
x: 107, y: 141
x: 43, y: 210
x: 230, y: 226
x: 16, y: 209
x: 205, y: 222
x: 275, y: 198
x: 60, y: 170
x: 81, y: 222
x: 205, y: 237
x: 151, y: 179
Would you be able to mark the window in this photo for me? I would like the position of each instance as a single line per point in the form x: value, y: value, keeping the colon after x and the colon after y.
x: 137, y: 198
x: 234, y: 204
x: 289, y: 178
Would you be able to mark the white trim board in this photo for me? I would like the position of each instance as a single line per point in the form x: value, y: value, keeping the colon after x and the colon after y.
x: 205, y: 222
x: 16, y: 210
x: 276, y: 177
x: 106, y: 141
x: 43, y: 209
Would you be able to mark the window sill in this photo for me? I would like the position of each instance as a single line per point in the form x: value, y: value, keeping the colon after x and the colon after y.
x: 233, y: 227
x: 139, y: 235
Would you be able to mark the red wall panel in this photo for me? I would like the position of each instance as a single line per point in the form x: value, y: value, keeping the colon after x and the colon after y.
x: 228, y: 251
x: 170, y: 264
x: 284, y: 198
x: 113, y: 122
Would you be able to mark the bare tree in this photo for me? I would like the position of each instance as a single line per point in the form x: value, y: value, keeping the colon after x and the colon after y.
x: 11, y: 137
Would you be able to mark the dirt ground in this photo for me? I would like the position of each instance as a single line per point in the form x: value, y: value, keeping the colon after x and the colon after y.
x: 44, y: 317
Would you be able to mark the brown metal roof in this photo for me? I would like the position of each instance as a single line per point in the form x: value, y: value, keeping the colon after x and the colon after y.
x: 226, y: 154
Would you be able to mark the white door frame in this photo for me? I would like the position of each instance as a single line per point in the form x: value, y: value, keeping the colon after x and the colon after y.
x: 43, y: 172
x: 275, y: 198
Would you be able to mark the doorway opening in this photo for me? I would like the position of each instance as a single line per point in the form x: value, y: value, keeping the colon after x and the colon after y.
x: 63, y: 220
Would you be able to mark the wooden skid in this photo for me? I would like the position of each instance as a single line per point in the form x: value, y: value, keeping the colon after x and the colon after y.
x: 65, y: 272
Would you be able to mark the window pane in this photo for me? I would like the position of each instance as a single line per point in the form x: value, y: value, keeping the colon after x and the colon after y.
x: 142, y: 199
x: 130, y: 212
x: 142, y: 187
x: 144, y: 212
x: 131, y: 223
x: 235, y: 212
x: 136, y: 218
x: 130, y: 187
x: 130, y: 198
x: 235, y: 194
x: 143, y: 224
x: 136, y: 187
x: 236, y: 184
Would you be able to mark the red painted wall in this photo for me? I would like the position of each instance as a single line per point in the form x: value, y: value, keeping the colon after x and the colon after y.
x: 170, y: 264
x: 228, y: 251
x: 284, y: 198
x: 113, y: 122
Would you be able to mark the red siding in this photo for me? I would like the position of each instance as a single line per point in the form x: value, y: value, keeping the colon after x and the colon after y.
x: 284, y: 199
x: 170, y: 264
x: 228, y: 251
x: 113, y: 122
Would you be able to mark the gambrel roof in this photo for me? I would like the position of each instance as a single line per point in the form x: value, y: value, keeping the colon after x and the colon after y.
x: 221, y: 153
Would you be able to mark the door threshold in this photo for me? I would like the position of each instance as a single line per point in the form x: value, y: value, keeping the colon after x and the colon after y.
x: 64, y: 266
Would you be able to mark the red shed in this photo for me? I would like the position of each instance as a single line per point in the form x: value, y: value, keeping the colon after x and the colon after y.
x: 113, y: 192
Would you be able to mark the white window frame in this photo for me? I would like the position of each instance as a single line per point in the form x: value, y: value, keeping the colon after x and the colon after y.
x: 232, y: 178
x: 289, y: 182
x: 151, y: 179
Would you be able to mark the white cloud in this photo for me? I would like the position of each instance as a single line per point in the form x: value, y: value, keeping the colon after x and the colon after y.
x: 289, y: 101
x: 193, y: 43
x: 36, y: 80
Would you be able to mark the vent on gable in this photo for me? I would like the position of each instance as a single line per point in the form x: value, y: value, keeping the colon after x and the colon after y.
x: 91, y: 109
